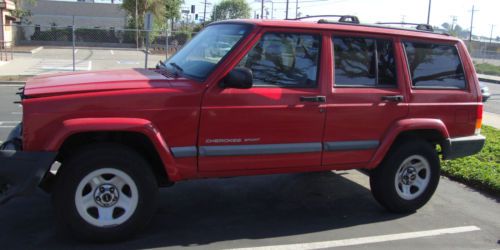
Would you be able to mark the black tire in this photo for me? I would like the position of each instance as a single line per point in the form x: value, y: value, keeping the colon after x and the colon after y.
x: 383, y: 178
x: 102, y: 157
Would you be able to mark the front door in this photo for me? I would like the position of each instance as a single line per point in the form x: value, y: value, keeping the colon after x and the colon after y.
x: 278, y: 123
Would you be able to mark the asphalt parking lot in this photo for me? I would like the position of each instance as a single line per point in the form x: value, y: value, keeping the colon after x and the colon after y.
x: 51, y: 60
x: 288, y: 211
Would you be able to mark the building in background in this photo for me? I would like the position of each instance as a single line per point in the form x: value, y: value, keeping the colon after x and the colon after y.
x: 86, y: 14
x: 6, y: 19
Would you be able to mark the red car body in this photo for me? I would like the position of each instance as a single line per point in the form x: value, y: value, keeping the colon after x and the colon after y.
x: 176, y: 112
x: 115, y: 132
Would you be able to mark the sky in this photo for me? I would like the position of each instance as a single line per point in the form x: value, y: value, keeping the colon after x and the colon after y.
x: 371, y: 11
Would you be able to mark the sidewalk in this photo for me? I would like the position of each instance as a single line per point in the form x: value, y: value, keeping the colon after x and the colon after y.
x: 488, y: 78
x: 491, y: 119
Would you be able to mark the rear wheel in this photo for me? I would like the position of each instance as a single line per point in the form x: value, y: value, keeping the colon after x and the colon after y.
x: 105, y: 192
x: 407, y: 178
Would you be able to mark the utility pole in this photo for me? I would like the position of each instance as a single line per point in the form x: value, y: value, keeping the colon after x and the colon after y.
x: 453, y: 22
x: 429, y: 12
x: 286, y: 12
x: 491, y: 32
x: 296, y: 8
x: 204, y: 13
x: 471, y: 22
x: 272, y: 10
x: 136, y: 28
x: 261, y: 9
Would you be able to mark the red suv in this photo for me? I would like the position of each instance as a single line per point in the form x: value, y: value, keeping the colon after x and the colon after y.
x: 247, y: 97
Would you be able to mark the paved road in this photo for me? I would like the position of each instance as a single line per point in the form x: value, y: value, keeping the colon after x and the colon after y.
x: 309, y: 210
x: 493, y: 104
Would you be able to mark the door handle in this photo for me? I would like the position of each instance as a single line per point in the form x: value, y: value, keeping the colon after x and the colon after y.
x: 393, y: 98
x: 319, y: 98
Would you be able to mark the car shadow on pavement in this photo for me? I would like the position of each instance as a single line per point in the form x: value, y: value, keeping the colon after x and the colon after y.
x: 199, y: 213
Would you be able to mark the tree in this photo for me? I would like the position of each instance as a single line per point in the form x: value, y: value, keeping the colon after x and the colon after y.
x: 173, y: 10
x: 456, y: 30
x: 156, y: 7
x: 231, y: 9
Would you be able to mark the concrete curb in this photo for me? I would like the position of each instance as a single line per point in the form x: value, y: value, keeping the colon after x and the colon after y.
x: 33, y: 51
x: 12, y: 82
x: 489, y: 80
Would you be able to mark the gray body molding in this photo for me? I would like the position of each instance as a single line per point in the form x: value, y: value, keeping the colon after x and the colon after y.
x: 350, y: 145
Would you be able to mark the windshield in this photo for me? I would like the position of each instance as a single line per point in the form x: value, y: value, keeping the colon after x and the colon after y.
x: 200, y: 56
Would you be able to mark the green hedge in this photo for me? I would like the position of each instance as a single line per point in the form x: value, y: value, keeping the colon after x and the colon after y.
x: 487, y: 69
x: 481, y: 170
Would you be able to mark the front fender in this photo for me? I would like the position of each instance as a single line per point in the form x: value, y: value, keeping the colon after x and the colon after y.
x: 143, y: 126
x: 405, y: 125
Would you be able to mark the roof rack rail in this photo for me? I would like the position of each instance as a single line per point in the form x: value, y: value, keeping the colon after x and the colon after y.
x: 419, y: 26
x: 342, y: 18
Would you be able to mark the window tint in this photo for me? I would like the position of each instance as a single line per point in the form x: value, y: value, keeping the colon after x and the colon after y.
x: 285, y: 60
x: 434, y: 65
x: 364, y: 62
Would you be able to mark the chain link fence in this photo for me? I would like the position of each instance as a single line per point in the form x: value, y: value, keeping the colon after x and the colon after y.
x: 36, y: 49
x: 484, y: 52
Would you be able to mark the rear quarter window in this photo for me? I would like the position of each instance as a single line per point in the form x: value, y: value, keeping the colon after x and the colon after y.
x: 434, y: 66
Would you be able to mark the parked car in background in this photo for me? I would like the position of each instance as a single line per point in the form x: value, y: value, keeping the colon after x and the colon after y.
x: 485, y: 91
x: 247, y: 97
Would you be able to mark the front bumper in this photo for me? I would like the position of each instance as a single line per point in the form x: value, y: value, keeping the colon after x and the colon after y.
x: 21, y: 172
x: 462, y: 146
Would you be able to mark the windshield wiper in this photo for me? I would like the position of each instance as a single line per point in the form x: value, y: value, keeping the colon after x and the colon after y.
x: 177, y: 67
x: 161, y: 64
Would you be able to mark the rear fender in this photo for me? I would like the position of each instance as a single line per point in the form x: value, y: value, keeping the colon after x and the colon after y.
x: 404, y: 126
x: 80, y: 125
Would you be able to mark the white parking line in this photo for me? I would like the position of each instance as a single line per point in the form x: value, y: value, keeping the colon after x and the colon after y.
x: 76, y: 51
x: 112, y: 52
x: 89, y: 67
x: 367, y: 240
x: 8, y: 124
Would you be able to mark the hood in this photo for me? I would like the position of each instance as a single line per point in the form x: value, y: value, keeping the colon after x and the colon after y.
x: 93, y: 81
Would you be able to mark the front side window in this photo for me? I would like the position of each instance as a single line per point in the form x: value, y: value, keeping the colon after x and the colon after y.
x: 364, y: 62
x: 434, y: 65
x: 200, y: 56
x: 284, y: 60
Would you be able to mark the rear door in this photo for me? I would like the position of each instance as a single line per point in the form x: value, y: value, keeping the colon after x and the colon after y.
x: 440, y: 87
x: 278, y: 123
x: 368, y: 96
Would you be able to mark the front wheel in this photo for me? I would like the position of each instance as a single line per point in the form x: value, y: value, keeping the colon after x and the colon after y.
x: 407, y: 178
x: 105, y: 192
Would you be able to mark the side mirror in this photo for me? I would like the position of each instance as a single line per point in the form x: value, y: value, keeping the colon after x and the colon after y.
x: 238, y: 78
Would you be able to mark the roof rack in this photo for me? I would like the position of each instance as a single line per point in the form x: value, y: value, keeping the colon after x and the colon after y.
x: 354, y: 20
x: 419, y: 26
x: 341, y: 18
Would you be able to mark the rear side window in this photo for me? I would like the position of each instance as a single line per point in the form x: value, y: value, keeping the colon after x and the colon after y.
x: 434, y: 65
x: 364, y: 62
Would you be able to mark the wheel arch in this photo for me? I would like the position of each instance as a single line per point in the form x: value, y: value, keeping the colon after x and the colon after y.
x: 139, y: 134
x: 433, y: 131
